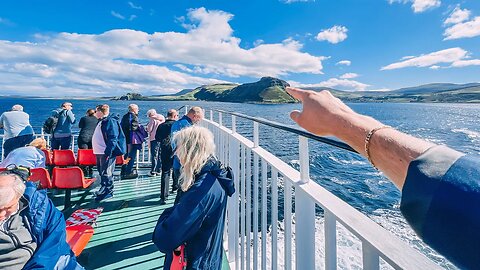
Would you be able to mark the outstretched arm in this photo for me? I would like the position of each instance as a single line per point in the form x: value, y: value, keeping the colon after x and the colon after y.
x: 390, y: 150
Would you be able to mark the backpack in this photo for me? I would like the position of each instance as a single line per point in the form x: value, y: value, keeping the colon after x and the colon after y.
x: 51, y: 123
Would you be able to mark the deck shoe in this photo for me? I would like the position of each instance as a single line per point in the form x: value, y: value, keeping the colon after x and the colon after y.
x: 104, y: 196
x: 162, y: 202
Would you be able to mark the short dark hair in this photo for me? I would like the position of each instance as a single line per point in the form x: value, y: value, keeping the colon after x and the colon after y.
x: 103, y: 108
x: 90, y: 112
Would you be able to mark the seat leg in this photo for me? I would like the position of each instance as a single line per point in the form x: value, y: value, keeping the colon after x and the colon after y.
x: 68, y: 198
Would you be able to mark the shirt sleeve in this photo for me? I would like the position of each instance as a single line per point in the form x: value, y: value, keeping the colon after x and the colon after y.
x: 441, y: 201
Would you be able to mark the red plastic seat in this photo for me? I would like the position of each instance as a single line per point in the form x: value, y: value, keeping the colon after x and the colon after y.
x: 42, y: 175
x: 64, y: 158
x: 48, y: 157
x: 119, y: 161
x: 85, y: 157
x: 70, y: 178
x: 78, y: 237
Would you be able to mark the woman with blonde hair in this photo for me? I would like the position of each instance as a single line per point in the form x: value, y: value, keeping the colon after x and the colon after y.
x: 30, y: 156
x: 198, y: 219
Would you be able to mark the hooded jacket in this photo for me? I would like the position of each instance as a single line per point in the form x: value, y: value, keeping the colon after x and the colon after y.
x: 47, y: 227
x: 129, y: 124
x: 113, y: 136
x: 197, y: 220
x: 153, y: 123
x: 66, y: 119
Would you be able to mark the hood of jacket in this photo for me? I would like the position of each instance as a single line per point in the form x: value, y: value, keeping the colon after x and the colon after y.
x: 157, y: 117
x: 224, y: 176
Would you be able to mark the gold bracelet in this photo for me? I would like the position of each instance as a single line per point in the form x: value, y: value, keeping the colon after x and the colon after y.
x: 367, y: 143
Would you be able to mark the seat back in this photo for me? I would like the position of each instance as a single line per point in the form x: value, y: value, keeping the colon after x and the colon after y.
x: 63, y: 158
x: 48, y: 157
x: 69, y: 178
x: 119, y: 160
x: 42, y: 175
x: 85, y: 157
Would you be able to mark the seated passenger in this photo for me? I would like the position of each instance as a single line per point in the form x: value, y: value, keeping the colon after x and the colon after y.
x: 32, y: 230
x: 30, y: 156
x: 198, y: 218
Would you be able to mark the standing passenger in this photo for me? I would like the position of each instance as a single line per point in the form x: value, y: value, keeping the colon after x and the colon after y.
x: 199, y: 217
x: 17, y: 129
x: 87, y: 126
x: 62, y: 134
x: 163, y: 137
x: 130, y: 124
x: 154, y: 121
x: 108, y: 142
x: 194, y: 115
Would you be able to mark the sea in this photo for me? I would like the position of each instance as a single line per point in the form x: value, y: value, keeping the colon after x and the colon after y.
x: 345, y: 174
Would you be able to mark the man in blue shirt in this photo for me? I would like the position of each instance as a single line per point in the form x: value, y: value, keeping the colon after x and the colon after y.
x: 193, y: 116
x: 17, y: 129
x: 62, y: 134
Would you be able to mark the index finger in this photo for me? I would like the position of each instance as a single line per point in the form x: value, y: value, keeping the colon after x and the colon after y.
x: 296, y: 93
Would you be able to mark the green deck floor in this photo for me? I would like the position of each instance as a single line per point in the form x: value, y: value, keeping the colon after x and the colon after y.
x: 122, y: 238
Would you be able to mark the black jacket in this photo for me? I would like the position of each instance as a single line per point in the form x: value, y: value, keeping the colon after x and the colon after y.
x: 87, y: 126
x: 129, y: 124
x: 163, y: 136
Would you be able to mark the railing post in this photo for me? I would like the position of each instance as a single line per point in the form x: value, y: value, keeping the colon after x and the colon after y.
x: 255, y: 134
x: 370, y: 256
x: 233, y: 206
x: 330, y: 241
x: 186, y: 109
x: 211, y: 115
x: 220, y: 122
x: 234, y: 124
x: 305, y: 214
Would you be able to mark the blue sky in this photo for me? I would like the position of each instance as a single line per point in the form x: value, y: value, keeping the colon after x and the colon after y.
x: 103, y: 48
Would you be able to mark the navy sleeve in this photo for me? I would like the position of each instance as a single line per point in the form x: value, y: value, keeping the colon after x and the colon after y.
x: 110, y: 132
x: 81, y: 124
x: 441, y: 201
x: 177, y: 224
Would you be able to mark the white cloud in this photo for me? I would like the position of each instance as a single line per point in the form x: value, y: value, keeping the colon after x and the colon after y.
x: 132, y: 5
x: 117, y: 15
x: 463, y: 30
x: 407, y: 57
x: 132, y: 17
x: 349, y: 76
x: 435, y: 67
x: 456, y: 57
x: 333, y: 35
x: 344, y: 62
x: 458, y: 15
x: 115, y: 61
x: 5, y: 21
x: 339, y: 84
x: 419, y: 6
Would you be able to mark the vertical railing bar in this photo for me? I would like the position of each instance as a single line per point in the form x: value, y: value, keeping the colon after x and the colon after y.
x: 242, y: 206
x: 255, y: 211
x: 255, y: 134
x: 234, y: 124
x: 288, y: 222
x: 264, y: 213
x: 249, y: 208
x: 370, y: 256
x: 211, y: 115
x: 304, y: 214
x: 330, y: 241
x: 220, y: 120
x: 274, y: 195
x: 233, y: 206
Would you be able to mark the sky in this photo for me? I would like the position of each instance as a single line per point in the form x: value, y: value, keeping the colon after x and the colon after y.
x: 105, y: 48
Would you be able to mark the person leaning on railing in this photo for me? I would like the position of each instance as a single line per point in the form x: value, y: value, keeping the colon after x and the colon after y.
x: 440, y: 186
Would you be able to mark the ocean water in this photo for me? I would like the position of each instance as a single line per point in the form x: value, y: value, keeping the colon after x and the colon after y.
x: 347, y: 175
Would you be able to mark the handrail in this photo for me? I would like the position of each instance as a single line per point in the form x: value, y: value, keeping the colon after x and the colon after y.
x: 291, y: 129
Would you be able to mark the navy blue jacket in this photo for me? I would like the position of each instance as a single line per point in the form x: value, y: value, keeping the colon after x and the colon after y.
x: 197, y: 220
x: 66, y: 119
x: 113, y: 136
x: 441, y: 201
x: 47, y: 226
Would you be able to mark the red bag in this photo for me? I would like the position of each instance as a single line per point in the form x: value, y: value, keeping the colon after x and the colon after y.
x: 179, y: 261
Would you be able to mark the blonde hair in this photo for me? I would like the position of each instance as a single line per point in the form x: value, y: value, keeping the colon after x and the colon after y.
x: 195, y: 145
x: 39, y: 143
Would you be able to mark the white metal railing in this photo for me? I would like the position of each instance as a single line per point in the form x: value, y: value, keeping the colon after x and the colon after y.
x: 247, y: 247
